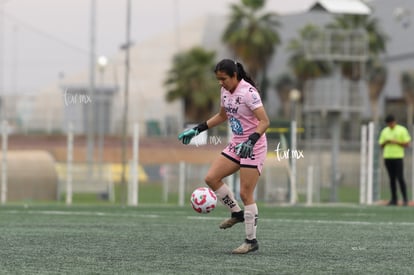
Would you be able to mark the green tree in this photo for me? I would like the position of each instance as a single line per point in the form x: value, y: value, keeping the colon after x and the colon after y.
x: 303, y: 67
x: 252, y: 35
x: 300, y: 65
x: 284, y: 84
x: 377, y: 40
x: 192, y: 80
x: 377, y: 77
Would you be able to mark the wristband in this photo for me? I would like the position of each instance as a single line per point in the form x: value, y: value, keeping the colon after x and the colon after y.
x: 254, y: 137
x: 201, y: 127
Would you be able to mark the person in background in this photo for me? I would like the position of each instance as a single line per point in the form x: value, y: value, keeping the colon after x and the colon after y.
x: 394, y: 138
x: 242, y: 107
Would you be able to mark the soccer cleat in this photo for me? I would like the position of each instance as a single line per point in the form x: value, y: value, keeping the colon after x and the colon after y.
x: 246, y: 247
x: 392, y: 203
x: 236, y: 217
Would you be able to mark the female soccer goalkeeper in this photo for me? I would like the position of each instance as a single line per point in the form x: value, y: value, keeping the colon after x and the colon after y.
x: 241, y: 105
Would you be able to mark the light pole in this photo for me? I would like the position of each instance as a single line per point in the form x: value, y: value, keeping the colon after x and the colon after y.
x: 403, y: 16
x: 102, y: 63
x: 91, y: 93
x: 2, y: 57
x: 126, y: 95
x: 294, y: 96
x: 181, y: 115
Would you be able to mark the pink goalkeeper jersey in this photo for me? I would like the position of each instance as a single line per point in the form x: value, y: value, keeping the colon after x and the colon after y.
x: 239, y: 107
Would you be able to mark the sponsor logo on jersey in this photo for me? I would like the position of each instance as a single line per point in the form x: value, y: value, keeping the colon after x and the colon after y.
x: 231, y: 110
x: 236, y: 126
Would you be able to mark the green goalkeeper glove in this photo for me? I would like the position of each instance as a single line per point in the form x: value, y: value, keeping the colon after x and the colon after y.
x: 245, y: 149
x: 187, y: 135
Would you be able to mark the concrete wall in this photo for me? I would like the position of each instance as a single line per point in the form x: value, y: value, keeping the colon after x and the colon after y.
x: 31, y: 176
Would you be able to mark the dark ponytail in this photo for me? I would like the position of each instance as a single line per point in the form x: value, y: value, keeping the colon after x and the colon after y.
x: 230, y: 67
x: 241, y: 74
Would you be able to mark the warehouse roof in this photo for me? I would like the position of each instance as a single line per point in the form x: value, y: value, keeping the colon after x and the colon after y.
x: 341, y: 6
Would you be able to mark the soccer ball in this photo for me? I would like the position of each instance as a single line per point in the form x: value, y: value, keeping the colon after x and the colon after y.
x: 203, y: 200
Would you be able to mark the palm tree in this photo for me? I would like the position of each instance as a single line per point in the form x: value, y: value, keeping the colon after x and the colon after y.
x: 192, y: 80
x: 376, y: 39
x: 252, y: 36
x: 284, y: 84
x: 377, y: 76
x: 302, y: 67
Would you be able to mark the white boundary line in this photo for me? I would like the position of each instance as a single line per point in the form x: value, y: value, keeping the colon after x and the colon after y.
x: 79, y: 213
x: 340, y: 222
x: 156, y: 216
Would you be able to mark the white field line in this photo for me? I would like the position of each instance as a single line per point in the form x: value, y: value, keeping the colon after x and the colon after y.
x: 315, y: 221
x: 338, y: 222
x: 203, y: 217
x: 81, y: 213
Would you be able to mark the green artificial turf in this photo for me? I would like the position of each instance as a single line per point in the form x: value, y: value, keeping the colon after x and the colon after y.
x: 56, y: 239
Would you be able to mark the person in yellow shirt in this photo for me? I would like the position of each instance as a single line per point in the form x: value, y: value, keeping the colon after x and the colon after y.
x: 394, y: 139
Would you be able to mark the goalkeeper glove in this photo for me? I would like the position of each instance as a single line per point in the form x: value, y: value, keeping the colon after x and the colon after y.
x: 187, y: 135
x: 245, y: 149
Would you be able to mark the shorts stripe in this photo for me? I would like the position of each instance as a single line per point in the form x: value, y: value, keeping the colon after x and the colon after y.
x: 230, y: 158
x: 248, y: 166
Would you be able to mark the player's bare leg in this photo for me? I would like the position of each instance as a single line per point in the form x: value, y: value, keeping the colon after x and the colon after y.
x: 221, y: 168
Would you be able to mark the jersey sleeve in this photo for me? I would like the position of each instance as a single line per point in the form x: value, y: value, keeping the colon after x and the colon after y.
x: 406, y: 136
x: 381, y: 139
x: 222, y: 97
x: 253, y: 100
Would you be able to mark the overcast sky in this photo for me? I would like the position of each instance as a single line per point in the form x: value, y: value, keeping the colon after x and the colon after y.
x: 43, y: 38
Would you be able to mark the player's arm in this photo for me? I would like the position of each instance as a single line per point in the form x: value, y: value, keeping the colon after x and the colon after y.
x: 245, y: 149
x: 400, y: 143
x: 404, y: 144
x: 403, y: 141
x: 217, y: 119
x: 382, y: 140
x: 406, y: 139
x: 264, y: 122
x: 396, y: 142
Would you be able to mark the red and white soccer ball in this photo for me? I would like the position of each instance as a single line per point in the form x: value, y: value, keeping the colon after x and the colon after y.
x: 203, y: 200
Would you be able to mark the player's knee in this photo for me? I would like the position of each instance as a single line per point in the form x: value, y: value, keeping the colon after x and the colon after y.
x: 246, y: 195
x: 211, y: 181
